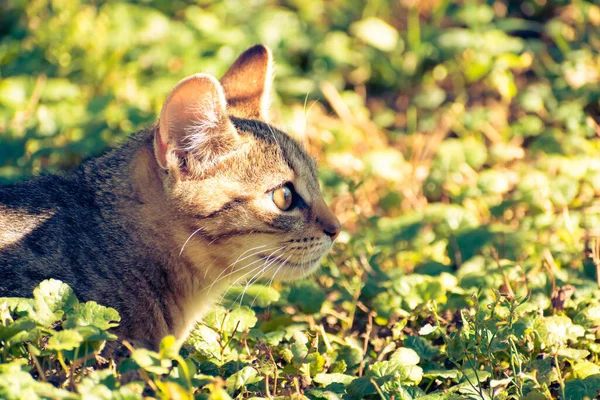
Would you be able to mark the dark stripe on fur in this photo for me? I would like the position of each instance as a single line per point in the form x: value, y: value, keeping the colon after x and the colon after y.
x: 281, y: 222
x: 230, y: 205
x: 272, y: 135
x: 229, y: 234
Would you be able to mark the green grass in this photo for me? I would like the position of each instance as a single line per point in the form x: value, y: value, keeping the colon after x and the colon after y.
x: 458, y: 145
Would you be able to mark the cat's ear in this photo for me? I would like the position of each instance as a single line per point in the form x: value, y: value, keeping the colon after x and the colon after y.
x: 193, y: 121
x: 247, y: 84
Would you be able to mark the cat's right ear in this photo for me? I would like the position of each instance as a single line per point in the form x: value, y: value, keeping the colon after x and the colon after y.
x: 194, y: 122
x: 247, y: 84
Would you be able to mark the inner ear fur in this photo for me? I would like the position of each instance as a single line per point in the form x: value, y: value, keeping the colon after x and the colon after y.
x: 247, y: 84
x: 194, y: 122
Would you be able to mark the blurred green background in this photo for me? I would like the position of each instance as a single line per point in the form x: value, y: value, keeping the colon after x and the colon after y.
x: 452, y: 137
x: 491, y: 106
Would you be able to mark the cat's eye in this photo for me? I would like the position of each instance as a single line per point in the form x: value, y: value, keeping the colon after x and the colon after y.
x: 283, y: 197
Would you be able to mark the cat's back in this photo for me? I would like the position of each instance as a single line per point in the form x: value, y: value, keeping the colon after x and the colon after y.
x: 25, y: 206
x: 37, y: 200
x: 35, y: 219
x: 79, y: 218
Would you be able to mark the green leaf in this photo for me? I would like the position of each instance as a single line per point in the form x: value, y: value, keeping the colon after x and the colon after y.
x: 17, y: 384
x: 453, y: 374
x: 583, y: 388
x: 307, y: 295
x: 422, y: 347
x: 174, y: 389
x: 589, y: 317
x: 168, y: 348
x: 242, y: 378
x: 492, y: 42
x: 544, y: 371
x: 55, y: 295
x: 91, y: 333
x: 255, y: 294
x: 557, y: 330
x: 430, y: 97
x: 405, y: 356
x: 327, y: 379
x: 91, y: 313
x: 151, y: 361
x: 528, y: 125
x: 361, y: 387
x: 493, y: 182
x: 332, y: 392
x: 67, y: 339
x: 14, y: 91
x: 206, y: 341
x: 386, y: 164
x: 563, y: 190
x: 584, y: 368
x: 225, y: 321
x: 98, y: 377
x: 316, y: 363
x: 52, y: 299
x: 407, y: 374
x: 572, y: 354
x: 243, y: 318
x: 475, y: 14
x: 350, y: 355
x: 377, y: 33
x: 21, y: 325
x: 385, y: 304
x: 18, y: 305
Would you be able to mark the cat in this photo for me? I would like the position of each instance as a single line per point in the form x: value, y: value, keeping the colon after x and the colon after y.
x: 158, y: 228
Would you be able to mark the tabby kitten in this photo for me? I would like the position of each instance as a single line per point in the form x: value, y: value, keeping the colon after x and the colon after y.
x: 159, y: 227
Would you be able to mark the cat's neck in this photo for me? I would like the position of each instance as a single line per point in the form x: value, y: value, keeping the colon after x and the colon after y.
x: 130, y: 185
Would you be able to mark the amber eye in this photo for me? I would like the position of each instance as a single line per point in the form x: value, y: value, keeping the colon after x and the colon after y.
x: 283, y: 198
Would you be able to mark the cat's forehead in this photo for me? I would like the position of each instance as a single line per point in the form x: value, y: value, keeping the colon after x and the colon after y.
x: 291, y: 150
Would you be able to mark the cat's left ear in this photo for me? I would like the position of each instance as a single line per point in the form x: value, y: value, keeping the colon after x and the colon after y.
x: 247, y: 84
x: 194, y: 122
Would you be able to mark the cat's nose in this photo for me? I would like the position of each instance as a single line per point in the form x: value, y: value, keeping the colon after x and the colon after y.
x: 327, y: 220
x: 330, y: 224
x: 332, y: 229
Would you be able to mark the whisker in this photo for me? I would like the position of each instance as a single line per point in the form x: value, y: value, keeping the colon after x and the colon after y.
x: 306, y: 114
x: 241, y: 269
x: 236, y: 261
x: 253, y: 280
x: 209, y: 268
x: 307, y: 93
x: 272, y: 278
x: 257, y: 276
x: 247, y: 251
x: 232, y: 265
x: 237, y: 234
x: 188, y: 239
x: 303, y: 262
x: 273, y: 134
x: 244, y: 277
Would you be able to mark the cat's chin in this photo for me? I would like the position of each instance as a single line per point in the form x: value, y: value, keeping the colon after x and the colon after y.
x: 298, y: 272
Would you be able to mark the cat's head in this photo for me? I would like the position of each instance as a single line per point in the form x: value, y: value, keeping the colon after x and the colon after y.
x: 248, y: 193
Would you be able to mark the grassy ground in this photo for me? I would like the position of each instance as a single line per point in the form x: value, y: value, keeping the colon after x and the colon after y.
x: 458, y: 144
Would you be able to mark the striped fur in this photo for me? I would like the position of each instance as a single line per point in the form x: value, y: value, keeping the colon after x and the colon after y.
x: 161, y: 226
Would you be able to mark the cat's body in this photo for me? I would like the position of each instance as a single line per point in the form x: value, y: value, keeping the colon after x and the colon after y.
x: 160, y: 226
x: 93, y: 230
